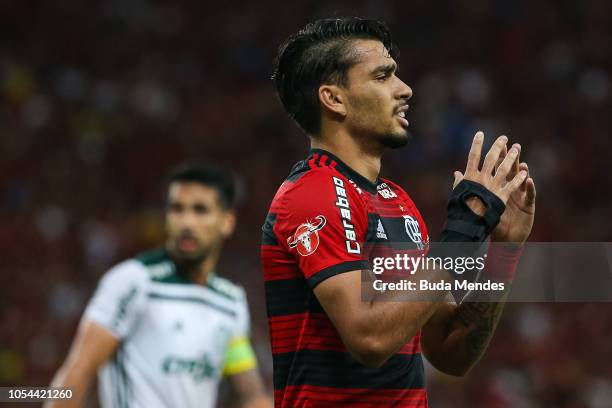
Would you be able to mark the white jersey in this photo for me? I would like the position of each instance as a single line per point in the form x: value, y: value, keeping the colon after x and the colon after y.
x: 174, y: 335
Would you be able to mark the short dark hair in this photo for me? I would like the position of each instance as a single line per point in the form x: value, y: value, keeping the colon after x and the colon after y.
x: 321, y: 53
x: 210, y: 175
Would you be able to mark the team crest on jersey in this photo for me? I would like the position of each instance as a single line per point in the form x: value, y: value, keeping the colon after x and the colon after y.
x: 306, y: 236
x: 414, y: 231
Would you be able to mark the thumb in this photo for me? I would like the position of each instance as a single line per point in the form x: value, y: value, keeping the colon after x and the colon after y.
x: 458, y: 177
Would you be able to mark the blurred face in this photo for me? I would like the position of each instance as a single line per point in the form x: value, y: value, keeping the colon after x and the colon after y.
x: 196, y: 222
x: 376, y: 99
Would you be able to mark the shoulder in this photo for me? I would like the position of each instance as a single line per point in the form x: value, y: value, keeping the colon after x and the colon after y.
x: 157, y: 264
x: 396, y: 188
x: 123, y: 282
x: 227, y: 288
x: 317, y: 186
x: 127, y: 271
x: 386, y: 183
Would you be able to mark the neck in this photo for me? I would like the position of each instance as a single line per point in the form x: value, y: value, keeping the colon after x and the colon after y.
x: 364, y: 159
x: 202, y: 271
x: 199, y: 272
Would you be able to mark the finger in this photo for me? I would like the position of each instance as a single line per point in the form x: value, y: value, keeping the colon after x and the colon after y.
x: 493, y: 154
x: 504, y: 169
x: 502, y: 156
x: 525, y: 167
x: 515, y: 183
x: 531, y: 191
x: 474, y: 155
x: 458, y: 177
x: 515, y: 166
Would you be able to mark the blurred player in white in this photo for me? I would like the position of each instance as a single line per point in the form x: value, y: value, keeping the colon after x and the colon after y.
x: 162, y: 328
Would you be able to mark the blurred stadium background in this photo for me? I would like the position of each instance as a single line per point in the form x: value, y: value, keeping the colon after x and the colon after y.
x: 98, y: 99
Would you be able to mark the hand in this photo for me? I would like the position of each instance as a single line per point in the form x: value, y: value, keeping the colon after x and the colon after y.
x: 499, y: 183
x: 516, y: 222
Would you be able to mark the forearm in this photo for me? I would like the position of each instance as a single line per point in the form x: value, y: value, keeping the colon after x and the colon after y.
x: 259, y: 401
x: 250, y: 389
x: 387, y: 321
x: 75, y: 378
x: 92, y: 346
x: 471, y: 327
x: 457, y: 336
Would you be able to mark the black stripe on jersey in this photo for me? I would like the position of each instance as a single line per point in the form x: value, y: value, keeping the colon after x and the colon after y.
x: 268, y: 237
x: 372, y: 227
x: 323, y: 274
x: 290, y: 296
x: 394, y: 229
x: 161, y: 296
x: 340, y: 370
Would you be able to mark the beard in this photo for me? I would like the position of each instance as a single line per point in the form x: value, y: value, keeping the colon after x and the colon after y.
x: 375, y: 128
x: 187, y: 260
x: 394, y: 140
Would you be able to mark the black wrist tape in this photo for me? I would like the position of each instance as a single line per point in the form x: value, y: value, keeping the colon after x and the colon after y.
x: 463, y: 225
x: 463, y: 222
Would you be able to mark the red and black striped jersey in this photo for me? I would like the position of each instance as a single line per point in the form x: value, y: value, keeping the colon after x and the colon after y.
x: 325, y: 220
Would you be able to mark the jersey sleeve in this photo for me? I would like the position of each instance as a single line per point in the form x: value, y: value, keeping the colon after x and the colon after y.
x: 323, y: 224
x: 120, y: 298
x: 239, y: 355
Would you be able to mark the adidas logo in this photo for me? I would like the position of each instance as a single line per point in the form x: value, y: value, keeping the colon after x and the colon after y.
x: 380, y: 231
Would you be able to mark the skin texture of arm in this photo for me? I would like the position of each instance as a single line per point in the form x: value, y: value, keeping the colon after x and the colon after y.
x: 91, y: 348
x: 373, y: 331
x: 456, y: 337
x: 250, y: 389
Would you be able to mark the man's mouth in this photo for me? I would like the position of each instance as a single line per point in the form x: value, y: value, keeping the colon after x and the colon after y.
x: 401, y: 115
x: 187, y: 244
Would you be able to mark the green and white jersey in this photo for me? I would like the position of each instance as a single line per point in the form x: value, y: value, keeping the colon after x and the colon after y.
x: 177, y: 338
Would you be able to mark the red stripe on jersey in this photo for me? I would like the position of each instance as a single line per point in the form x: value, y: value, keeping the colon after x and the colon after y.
x: 312, y: 162
x: 323, y: 161
x: 311, y: 331
x: 392, y: 211
x: 413, y: 346
x: 314, y: 331
x: 277, y: 264
x: 315, y: 396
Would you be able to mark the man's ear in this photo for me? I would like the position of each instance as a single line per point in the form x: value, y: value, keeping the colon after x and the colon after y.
x: 228, y: 224
x: 333, y: 99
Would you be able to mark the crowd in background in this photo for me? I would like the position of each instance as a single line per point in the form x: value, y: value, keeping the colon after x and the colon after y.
x: 99, y: 99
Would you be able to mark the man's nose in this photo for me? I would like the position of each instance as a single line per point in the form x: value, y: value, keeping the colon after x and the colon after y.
x: 187, y: 219
x: 405, y: 91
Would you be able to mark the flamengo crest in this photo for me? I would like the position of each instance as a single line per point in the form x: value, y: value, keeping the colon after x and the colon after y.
x: 306, y: 236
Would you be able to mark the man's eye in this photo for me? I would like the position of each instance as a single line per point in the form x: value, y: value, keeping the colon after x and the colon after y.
x: 382, y: 78
x: 175, y: 208
x: 200, y: 209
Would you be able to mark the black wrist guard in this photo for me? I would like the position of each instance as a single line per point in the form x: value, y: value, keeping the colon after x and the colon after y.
x: 463, y: 225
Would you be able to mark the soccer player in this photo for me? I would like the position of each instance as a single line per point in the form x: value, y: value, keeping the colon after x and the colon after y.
x: 163, y: 328
x: 338, y: 80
